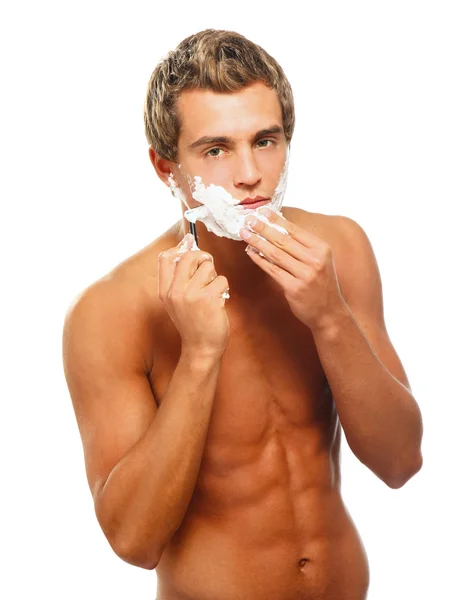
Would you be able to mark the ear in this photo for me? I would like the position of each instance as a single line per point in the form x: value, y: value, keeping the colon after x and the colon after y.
x: 162, y: 167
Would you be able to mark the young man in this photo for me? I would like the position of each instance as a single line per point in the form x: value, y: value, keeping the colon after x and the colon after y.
x: 211, y: 426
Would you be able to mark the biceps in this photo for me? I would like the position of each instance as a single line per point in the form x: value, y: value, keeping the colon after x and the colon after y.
x: 112, y: 422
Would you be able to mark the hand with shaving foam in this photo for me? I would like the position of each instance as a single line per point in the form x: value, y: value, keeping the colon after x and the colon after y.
x: 300, y: 262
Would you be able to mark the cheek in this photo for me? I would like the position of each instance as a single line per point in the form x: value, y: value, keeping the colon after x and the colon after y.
x: 186, y: 192
x: 186, y: 179
x: 217, y: 171
x: 272, y: 164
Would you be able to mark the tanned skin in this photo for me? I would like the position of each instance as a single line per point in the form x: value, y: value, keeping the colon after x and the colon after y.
x: 213, y: 454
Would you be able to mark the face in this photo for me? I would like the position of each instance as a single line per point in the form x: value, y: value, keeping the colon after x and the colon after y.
x: 231, y: 149
x: 249, y: 156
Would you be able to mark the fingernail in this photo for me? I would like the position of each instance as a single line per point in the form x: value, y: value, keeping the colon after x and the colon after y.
x: 265, y: 211
x: 250, y: 221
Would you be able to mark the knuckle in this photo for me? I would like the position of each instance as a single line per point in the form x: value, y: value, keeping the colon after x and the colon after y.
x: 326, y: 251
x: 277, y: 256
x: 322, y: 263
x: 210, y: 269
x: 185, y: 256
x: 191, y: 298
x: 196, y: 256
x: 163, y: 255
x: 173, y: 295
x: 297, y: 289
x: 207, y: 258
x: 281, y: 243
x: 311, y: 273
x: 317, y: 261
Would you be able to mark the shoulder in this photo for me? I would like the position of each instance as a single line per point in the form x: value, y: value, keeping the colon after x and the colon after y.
x: 349, y: 243
x: 332, y: 229
x: 119, y: 309
x: 108, y: 319
x: 339, y: 228
x: 132, y: 280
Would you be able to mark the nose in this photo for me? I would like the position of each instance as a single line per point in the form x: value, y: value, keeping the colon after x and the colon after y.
x: 246, y: 172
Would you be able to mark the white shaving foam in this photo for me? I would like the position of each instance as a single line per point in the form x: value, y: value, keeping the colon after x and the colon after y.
x: 187, y: 243
x: 220, y: 211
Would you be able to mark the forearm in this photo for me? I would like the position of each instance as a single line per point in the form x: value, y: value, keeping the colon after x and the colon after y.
x: 147, y: 494
x: 379, y: 415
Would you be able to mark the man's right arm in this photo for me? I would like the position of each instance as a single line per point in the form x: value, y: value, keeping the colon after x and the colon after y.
x: 142, y: 461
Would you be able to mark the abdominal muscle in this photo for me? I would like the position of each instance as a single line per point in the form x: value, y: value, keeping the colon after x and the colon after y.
x: 272, y: 528
x: 266, y: 520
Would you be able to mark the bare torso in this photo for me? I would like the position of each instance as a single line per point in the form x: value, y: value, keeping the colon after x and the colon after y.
x: 266, y: 520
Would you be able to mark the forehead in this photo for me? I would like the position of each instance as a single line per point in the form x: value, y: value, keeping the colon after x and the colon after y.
x: 235, y: 114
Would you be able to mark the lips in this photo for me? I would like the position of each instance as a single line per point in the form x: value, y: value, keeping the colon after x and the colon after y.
x: 254, y: 202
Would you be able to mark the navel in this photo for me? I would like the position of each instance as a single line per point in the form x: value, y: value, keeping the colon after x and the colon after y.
x: 302, y: 562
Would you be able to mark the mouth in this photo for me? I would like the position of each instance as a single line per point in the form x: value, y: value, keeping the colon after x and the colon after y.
x: 255, y: 204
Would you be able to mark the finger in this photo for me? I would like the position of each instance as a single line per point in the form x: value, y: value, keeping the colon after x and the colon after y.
x: 204, y: 274
x: 186, y: 244
x: 261, y: 231
x: 168, y: 260
x: 218, y: 286
x: 277, y: 256
x: 282, y: 277
x: 187, y: 267
x: 167, y: 266
x: 297, y: 233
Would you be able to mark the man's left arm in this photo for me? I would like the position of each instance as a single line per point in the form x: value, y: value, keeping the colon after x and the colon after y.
x: 379, y: 415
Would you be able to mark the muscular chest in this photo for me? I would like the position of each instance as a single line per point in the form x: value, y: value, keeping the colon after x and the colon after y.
x: 270, y: 374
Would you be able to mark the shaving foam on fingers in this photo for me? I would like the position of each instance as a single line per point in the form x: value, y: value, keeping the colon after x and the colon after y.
x: 188, y: 243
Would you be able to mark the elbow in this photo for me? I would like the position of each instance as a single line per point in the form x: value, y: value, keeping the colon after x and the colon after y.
x: 401, y: 477
x: 137, y: 557
x: 125, y: 545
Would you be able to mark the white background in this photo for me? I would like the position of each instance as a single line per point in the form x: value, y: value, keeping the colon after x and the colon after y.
x: 383, y: 132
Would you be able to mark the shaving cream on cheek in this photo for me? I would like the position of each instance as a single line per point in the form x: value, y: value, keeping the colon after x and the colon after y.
x: 176, y: 191
x: 221, y: 213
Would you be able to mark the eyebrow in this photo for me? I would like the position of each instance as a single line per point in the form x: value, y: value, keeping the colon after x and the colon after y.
x: 227, y: 140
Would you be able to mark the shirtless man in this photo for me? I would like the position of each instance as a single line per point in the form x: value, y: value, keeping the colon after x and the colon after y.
x: 211, y: 426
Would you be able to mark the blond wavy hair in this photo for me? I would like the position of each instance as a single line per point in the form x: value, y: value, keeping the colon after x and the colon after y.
x: 217, y: 60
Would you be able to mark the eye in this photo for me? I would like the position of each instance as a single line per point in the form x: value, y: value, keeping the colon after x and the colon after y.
x: 265, y: 140
x: 212, y: 150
